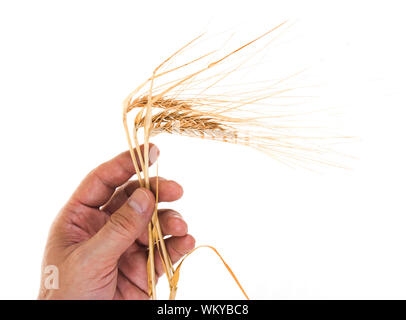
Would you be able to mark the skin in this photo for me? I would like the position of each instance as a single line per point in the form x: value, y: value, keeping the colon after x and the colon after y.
x: 99, y: 239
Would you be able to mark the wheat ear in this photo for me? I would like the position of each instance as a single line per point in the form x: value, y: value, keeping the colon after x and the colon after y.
x: 184, y: 105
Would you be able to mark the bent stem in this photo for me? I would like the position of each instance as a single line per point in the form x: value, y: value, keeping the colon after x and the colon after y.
x: 175, y: 277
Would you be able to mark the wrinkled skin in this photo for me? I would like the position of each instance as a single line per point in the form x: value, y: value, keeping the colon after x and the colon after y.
x: 98, y: 241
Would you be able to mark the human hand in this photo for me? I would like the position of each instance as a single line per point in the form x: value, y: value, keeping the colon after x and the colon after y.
x: 98, y: 242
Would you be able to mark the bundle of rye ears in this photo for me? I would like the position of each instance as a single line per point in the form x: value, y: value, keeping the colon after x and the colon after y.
x: 188, y: 105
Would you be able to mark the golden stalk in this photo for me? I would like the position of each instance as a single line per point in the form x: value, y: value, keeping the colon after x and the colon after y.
x: 241, y: 117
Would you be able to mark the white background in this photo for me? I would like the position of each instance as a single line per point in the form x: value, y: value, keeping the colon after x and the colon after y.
x: 65, y: 68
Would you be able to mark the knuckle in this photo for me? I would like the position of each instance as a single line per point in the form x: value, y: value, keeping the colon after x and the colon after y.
x: 123, y: 224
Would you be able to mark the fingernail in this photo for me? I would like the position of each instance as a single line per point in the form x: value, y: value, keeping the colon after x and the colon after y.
x: 153, y: 154
x: 139, y: 201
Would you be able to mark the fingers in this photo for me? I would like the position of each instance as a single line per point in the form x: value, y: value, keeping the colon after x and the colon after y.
x: 171, y: 223
x: 124, y: 227
x: 99, y: 185
x: 127, y: 290
x: 133, y: 264
x: 168, y: 190
x: 177, y: 247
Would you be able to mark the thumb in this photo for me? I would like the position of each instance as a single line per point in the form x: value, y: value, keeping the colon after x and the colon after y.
x: 124, y: 226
